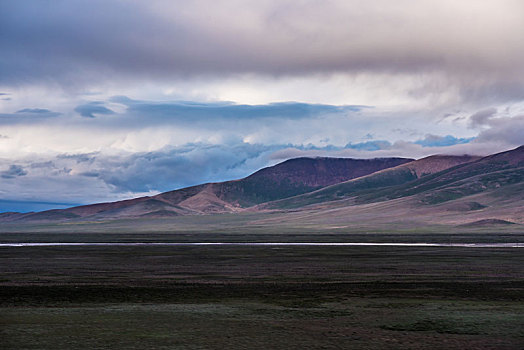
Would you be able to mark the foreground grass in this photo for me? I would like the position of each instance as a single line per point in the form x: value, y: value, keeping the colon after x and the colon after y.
x: 261, y: 297
x: 246, y: 324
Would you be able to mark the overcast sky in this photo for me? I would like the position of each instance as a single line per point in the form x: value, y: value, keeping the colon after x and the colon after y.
x: 103, y: 100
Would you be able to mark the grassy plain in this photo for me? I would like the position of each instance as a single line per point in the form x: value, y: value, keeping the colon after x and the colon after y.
x: 242, y: 297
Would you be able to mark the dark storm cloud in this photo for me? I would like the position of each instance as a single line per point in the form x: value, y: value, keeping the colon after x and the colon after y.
x: 79, y: 158
x: 91, y: 109
x: 13, y: 171
x: 111, y: 177
x: 173, y: 168
x: 39, y: 165
x: 177, y: 167
x: 192, y: 112
x: 477, y: 46
x: 482, y: 117
x: 90, y: 174
x: 35, y: 111
x: 504, y: 130
x: 27, y: 115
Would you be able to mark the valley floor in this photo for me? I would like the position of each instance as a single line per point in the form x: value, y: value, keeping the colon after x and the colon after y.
x: 244, y: 297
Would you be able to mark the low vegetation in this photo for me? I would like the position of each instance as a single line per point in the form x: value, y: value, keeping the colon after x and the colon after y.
x: 261, y: 297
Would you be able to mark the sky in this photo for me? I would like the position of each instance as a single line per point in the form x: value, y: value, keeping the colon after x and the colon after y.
x: 104, y: 100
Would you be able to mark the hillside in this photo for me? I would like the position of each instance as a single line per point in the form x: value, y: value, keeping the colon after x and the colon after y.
x: 373, y: 183
x: 440, y: 188
x: 289, y: 178
x: 486, y: 174
x: 297, y: 176
x: 479, y: 193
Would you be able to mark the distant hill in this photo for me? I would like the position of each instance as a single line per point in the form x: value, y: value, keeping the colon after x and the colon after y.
x: 434, y: 179
x: 477, y: 190
x: 374, y: 185
x: 297, y: 176
x: 490, y: 173
x: 487, y: 222
x: 289, y: 178
x: 317, y: 191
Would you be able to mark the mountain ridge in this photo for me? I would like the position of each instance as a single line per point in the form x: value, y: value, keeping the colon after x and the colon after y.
x: 435, y: 184
x: 400, y: 174
x: 488, y: 188
x: 291, y: 177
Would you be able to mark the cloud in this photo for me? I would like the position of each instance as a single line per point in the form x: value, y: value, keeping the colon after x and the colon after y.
x: 79, y: 158
x: 91, y: 109
x: 431, y: 140
x: 35, y: 111
x: 151, y: 146
x: 370, y: 145
x: 107, y: 176
x: 13, y: 171
x: 184, y: 166
x: 194, y: 112
x: 398, y: 149
x: 504, y: 130
x: 87, y: 178
x: 499, y: 134
x: 46, y: 164
x: 77, y: 43
x: 146, y: 125
x: 482, y: 117
x: 27, y: 115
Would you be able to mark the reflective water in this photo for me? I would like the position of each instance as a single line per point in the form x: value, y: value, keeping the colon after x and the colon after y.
x: 255, y: 244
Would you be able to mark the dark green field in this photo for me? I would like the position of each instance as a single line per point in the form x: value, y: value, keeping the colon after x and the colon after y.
x: 211, y: 297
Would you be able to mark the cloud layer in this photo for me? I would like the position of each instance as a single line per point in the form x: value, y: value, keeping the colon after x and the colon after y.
x: 126, y: 147
x: 471, y: 47
x: 125, y: 168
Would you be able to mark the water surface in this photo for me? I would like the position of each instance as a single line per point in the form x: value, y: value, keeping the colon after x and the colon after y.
x: 263, y: 244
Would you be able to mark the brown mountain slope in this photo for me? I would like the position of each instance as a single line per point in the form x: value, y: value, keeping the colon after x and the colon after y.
x: 434, y: 164
x: 485, y: 174
x: 402, y: 174
x: 290, y: 178
x: 297, y: 176
x: 489, y: 188
x: 404, y: 213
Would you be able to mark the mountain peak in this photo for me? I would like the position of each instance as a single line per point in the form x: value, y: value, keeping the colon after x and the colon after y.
x: 309, y: 182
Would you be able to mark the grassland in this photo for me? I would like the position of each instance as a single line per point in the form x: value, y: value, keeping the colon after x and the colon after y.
x: 260, y: 297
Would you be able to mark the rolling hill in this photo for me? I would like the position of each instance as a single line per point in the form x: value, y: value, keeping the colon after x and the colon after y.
x: 440, y: 188
x: 289, y: 178
x: 375, y: 183
x: 480, y: 192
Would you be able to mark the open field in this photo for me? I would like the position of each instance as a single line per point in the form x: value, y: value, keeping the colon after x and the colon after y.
x: 260, y: 297
x: 258, y: 227
x: 353, y: 323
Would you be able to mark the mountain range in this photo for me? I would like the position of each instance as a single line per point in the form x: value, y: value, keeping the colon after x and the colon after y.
x: 483, y: 188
